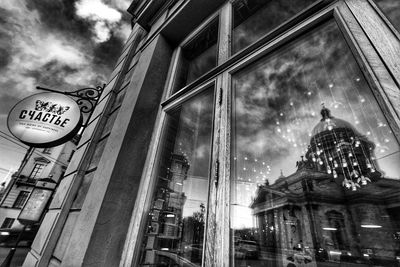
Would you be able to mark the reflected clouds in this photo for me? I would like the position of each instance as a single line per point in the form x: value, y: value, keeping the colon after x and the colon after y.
x: 278, y: 101
x: 391, y: 8
x: 252, y: 19
x: 193, y: 138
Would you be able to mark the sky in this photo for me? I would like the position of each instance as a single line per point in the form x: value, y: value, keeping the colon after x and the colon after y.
x: 59, y: 44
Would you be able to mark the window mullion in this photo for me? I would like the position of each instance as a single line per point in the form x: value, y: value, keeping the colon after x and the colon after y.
x: 209, y: 254
x: 225, y: 26
x: 224, y: 158
x: 217, y: 241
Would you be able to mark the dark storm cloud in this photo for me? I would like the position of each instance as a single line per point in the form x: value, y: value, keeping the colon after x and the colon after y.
x: 60, y: 16
x: 60, y: 44
x: 5, y: 38
x: 126, y: 17
x: 52, y: 72
x: 104, y: 53
x: 8, y: 101
x: 5, y: 56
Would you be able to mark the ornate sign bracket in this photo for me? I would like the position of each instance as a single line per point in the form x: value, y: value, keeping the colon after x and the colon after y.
x: 87, y: 98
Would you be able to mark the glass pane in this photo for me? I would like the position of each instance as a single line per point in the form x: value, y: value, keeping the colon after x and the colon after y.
x: 198, y: 56
x: 312, y: 185
x: 391, y: 8
x: 175, y: 231
x: 254, y: 18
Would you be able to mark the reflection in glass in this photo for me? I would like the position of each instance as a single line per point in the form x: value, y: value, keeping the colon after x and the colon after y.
x: 391, y: 8
x: 198, y: 56
x: 254, y: 18
x: 175, y: 229
x: 315, y: 165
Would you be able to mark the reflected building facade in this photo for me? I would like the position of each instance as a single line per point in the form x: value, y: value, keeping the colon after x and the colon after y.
x: 38, y: 175
x: 331, y: 217
x: 165, y: 228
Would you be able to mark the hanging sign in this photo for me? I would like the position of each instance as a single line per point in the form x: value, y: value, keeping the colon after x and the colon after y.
x: 45, y: 119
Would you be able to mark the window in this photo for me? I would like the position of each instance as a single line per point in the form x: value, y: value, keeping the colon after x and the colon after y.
x: 37, y: 169
x: 21, y: 199
x: 391, y: 8
x: 254, y: 18
x: 7, y: 223
x: 199, y: 55
x: 310, y: 148
x: 176, y: 219
x: 47, y: 150
x: 303, y: 166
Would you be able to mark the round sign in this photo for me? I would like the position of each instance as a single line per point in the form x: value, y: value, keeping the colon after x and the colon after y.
x: 45, y: 119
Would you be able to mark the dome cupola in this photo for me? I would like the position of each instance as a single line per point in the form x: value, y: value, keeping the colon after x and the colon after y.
x: 328, y: 123
x: 337, y: 148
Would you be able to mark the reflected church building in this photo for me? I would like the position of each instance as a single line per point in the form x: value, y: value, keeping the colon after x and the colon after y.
x: 336, y: 207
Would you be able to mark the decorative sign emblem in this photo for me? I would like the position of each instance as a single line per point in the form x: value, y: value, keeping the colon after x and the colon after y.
x: 45, y: 119
x: 50, y: 107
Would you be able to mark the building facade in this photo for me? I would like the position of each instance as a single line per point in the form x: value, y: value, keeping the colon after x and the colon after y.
x: 239, y: 133
x: 40, y: 168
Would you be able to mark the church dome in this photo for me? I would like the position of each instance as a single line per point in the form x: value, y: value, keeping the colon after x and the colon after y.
x: 329, y: 123
x: 338, y: 149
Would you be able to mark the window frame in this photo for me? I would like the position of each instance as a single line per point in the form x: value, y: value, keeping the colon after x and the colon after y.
x: 21, y: 199
x: 149, y: 176
x: 340, y: 13
x: 386, y: 19
x: 178, y: 54
x: 132, y: 250
x: 217, y: 241
x: 7, y: 223
x: 36, y: 170
x: 47, y: 150
x: 290, y: 21
x: 225, y: 59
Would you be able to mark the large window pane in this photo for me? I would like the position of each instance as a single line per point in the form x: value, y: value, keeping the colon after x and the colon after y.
x: 198, y: 56
x: 175, y: 230
x: 254, y: 18
x: 391, y: 8
x: 312, y: 185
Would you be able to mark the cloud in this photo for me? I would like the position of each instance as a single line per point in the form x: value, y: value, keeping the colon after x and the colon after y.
x: 47, y: 43
x: 97, y: 10
x: 37, y: 53
x: 105, y: 18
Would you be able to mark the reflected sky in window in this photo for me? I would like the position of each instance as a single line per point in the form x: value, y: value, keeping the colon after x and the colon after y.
x: 193, y: 141
x: 391, y: 8
x: 254, y: 18
x: 278, y: 102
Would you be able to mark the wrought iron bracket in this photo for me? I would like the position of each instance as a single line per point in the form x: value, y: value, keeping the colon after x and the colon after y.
x: 86, y: 98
